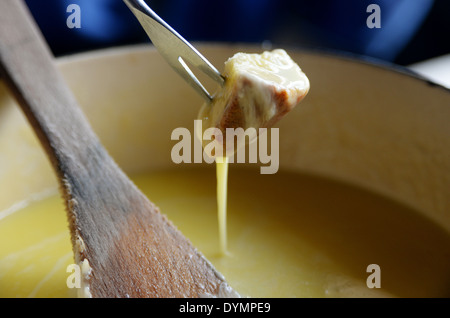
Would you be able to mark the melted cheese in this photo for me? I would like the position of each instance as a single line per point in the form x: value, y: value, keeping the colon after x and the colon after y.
x: 315, y: 240
x: 222, y: 183
x: 259, y: 90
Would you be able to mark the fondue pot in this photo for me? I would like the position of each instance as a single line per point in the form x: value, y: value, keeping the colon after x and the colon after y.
x: 373, y: 126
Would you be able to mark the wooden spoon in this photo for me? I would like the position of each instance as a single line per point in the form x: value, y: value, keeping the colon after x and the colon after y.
x: 126, y: 247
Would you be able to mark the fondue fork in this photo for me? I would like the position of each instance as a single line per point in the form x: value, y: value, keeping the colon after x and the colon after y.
x: 174, y: 48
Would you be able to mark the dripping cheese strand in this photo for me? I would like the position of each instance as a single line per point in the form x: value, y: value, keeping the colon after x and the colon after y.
x: 222, y: 184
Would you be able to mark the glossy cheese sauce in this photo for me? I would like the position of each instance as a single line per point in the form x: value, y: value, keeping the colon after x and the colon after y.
x: 222, y: 182
x: 289, y: 235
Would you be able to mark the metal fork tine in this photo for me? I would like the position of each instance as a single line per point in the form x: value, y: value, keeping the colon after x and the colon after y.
x: 189, y: 77
x: 174, y: 48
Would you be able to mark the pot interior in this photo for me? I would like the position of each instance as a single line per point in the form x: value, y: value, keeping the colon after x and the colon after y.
x: 365, y: 125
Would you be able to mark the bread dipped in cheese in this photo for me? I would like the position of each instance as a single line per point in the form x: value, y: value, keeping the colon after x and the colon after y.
x: 259, y: 90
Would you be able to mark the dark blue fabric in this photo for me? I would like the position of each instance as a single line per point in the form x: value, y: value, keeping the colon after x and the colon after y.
x: 336, y: 24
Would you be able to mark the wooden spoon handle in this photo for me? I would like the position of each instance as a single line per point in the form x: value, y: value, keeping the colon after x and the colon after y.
x: 84, y: 168
x: 27, y: 66
x: 132, y: 250
x: 91, y: 182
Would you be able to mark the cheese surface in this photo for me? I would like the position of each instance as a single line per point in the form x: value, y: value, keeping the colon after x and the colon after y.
x: 289, y: 235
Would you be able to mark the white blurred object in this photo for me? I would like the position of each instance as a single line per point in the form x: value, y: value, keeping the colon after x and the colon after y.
x: 436, y: 69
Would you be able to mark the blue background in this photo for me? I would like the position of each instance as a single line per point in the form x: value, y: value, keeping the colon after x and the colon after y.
x: 411, y: 30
